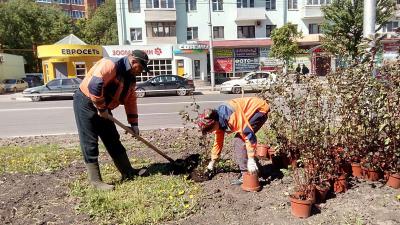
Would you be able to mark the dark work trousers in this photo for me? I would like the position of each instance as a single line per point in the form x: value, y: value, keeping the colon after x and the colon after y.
x: 91, y: 126
x: 256, y: 122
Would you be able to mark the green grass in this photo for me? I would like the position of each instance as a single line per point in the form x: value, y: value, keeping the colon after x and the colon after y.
x: 145, y: 200
x: 35, y: 159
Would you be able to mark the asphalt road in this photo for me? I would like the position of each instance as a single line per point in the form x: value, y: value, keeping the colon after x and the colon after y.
x: 57, y: 117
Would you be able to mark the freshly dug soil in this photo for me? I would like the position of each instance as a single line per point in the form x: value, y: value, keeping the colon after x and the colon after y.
x: 44, y: 198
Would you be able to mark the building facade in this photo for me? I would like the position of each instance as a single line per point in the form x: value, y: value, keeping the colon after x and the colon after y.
x: 241, y: 31
x: 75, y: 8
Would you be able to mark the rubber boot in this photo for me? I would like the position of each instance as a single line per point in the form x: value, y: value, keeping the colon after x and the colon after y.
x: 123, y: 165
x: 95, y: 177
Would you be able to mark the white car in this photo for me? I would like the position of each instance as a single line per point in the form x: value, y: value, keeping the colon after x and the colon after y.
x: 253, y: 81
x: 14, y: 85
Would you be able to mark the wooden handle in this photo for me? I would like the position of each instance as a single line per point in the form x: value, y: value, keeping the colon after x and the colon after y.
x: 127, y: 129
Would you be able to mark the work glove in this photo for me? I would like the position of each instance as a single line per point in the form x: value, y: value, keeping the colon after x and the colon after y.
x: 251, y: 165
x: 135, y: 129
x: 211, y: 164
x: 103, y: 114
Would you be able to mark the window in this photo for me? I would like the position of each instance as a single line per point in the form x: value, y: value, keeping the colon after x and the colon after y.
x: 157, y: 67
x: 245, y: 3
x: 390, y: 26
x: 246, y: 32
x: 292, y: 4
x: 170, y: 79
x: 318, y: 2
x: 63, y: 1
x: 218, y: 32
x: 270, y: 4
x: 134, y: 6
x: 269, y: 29
x: 217, y: 5
x: 77, y: 2
x: 44, y: 1
x: 192, y: 33
x: 67, y: 82
x: 136, y: 34
x: 80, y: 70
x: 314, y: 28
x: 77, y: 14
x: 54, y: 83
x: 160, y: 4
x: 191, y: 5
x: 165, y: 29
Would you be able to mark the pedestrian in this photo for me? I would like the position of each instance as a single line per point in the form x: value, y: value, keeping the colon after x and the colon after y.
x: 109, y: 83
x: 242, y: 116
x: 305, y: 70
x: 298, y: 69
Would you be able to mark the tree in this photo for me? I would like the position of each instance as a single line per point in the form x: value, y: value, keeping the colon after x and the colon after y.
x: 285, y: 45
x: 343, y: 25
x: 101, y: 27
x: 24, y: 23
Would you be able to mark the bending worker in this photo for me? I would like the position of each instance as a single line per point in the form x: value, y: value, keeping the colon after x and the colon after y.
x: 109, y: 83
x: 242, y: 116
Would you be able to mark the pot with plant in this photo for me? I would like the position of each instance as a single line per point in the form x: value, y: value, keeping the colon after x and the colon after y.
x: 304, y: 196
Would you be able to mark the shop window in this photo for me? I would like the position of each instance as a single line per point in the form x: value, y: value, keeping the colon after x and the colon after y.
x: 136, y: 34
x: 134, y: 6
x: 218, y: 32
x: 217, y: 5
x: 191, y: 5
x: 314, y: 28
x: 245, y: 3
x: 270, y: 4
x: 160, y: 4
x: 269, y: 29
x: 157, y: 67
x: 292, y: 4
x: 390, y: 26
x: 165, y: 29
x: 80, y: 70
x: 246, y: 32
x: 192, y: 33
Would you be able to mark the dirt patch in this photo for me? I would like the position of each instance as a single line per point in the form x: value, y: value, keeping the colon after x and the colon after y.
x: 44, y: 199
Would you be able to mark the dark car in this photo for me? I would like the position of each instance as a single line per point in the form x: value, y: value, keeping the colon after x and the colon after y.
x: 54, y: 88
x: 165, y: 84
x: 33, y: 81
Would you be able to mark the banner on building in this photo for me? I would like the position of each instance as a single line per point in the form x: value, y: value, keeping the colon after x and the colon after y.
x: 153, y: 51
x: 247, y: 64
x: 223, y: 53
x: 246, y: 53
x: 223, y: 65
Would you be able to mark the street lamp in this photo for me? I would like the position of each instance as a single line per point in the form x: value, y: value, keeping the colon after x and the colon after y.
x: 210, y: 47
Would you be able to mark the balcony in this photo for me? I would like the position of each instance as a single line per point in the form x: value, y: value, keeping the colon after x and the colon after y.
x: 159, y: 15
x: 162, y: 40
x: 311, y: 12
x: 250, y: 14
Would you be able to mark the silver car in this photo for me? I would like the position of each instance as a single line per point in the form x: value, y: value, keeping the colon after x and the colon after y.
x: 54, y: 88
x: 14, y: 85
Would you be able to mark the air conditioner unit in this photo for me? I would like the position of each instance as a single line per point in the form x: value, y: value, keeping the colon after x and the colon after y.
x: 258, y: 22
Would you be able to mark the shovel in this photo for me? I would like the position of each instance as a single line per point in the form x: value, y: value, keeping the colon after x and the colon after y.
x: 179, y: 167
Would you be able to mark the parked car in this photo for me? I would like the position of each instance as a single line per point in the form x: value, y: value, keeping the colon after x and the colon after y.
x: 2, y: 88
x: 14, y: 85
x: 54, y: 88
x: 33, y: 79
x: 253, y: 81
x: 165, y: 84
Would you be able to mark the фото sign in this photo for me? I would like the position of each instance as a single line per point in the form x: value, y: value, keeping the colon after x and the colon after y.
x: 153, y: 51
x: 246, y: 64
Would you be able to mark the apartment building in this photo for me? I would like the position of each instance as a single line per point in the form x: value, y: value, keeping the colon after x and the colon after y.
x: 241, y: 31
x: 74, y: 8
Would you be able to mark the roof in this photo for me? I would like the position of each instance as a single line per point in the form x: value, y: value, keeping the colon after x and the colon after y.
x: 240, y: 43
x: 70, y: 39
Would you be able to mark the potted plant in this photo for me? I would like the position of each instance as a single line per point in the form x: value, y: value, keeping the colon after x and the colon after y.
x: 304, y: 195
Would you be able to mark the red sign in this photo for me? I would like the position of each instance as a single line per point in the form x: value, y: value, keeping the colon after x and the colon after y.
x: 223, y: 65
x: 391, y: 47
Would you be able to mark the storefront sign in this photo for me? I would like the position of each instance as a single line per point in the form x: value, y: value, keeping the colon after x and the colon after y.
x: 391, y: 47
x: 223, y: 65
x: 67, y: 50
x: 264, y: 52
x: 246, y: 53
x: 301, y: 59
x: 153, y: 51
x: 194, y: 51
x: 193, y: 46
x: 223, y: 53
x: 246, y: 64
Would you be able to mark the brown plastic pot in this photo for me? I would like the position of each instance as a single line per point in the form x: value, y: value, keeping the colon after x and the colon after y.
x: 250, y: 182
x: 262, y: 151
x: 340, y: 184
x: 372, y: 175
x: 394, y: 181
x: 356, y: 170
x: 300, y: 208
x: 321, y: 192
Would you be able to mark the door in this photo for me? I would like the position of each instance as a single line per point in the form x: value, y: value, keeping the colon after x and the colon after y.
x: 172, y: 84
x: 68, y: 85
x: 157, y: 85
x: 323, y: 65
x: 196, y: 68
x: 180, y: 67
x: 251, y: 82
x: 54, y: 86
x: 61, y: 70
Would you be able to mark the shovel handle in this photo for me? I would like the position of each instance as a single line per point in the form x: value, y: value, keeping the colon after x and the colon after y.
x: 127, y: 129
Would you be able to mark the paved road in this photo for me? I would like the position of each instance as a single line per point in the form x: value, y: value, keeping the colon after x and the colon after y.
x: 56, y: 117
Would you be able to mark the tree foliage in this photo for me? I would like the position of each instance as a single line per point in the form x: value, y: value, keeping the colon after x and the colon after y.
x: 101, y: 27
x: 24, y: 23
x: 343, y: 25
x: 285, y: 45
